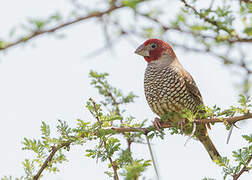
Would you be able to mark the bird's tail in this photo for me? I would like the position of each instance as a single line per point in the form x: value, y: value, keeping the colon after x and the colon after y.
x: 202, y: 135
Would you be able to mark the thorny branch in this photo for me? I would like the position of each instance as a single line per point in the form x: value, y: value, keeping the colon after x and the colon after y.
x: 225, y: 59
x: 206, y: 19
x: 230, y: 120
x: 166, y: 28
x: 116, y: 104
x: 246, y: 1
x: 244, y: 169
x: 219, y: 26
x: 113, y: 164
x: 49, y: 158
x: 113, y: 8
x: 54, y: 29
x: 236, y: 39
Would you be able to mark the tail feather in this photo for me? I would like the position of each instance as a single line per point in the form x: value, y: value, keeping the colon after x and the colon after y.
x: 202, y: 135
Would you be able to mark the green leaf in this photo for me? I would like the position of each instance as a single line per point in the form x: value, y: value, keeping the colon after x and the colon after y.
x: 131, y: 3
x: 3, y: 44
x: 248, y: 138
x: 135, y: 169
x: 45, y: 129
x: 248, y: 31
x: 198, y: 28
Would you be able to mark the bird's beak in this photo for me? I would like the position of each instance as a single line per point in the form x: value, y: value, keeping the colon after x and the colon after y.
x: 142, y: 51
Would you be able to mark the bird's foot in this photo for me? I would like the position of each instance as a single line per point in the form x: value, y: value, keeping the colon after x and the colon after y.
x: 181, y: 124
x: 157, y: 124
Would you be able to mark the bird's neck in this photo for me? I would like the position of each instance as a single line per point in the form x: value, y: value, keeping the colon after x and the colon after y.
x: 166, y: 61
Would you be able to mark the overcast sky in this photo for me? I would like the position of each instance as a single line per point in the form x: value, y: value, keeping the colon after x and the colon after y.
x: 47, y: 80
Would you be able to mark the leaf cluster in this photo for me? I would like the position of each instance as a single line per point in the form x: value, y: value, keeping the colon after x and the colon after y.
x: 114, y: 147
x: 242, y: 158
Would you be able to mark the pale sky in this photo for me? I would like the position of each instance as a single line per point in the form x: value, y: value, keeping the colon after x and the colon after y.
x: 47, y: 79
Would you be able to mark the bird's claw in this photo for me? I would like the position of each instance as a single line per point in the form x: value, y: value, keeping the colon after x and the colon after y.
x: 157, y: 125
x: 181, y: 123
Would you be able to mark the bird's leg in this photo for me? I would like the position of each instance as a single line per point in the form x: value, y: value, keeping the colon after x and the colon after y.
x: 157, y: 125
x: 181, y: 123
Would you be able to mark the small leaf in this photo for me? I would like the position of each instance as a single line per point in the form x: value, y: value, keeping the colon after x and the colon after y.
x: 131, y: 3
x: 248, y: 31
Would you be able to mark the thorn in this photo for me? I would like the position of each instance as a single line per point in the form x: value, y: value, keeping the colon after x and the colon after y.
x: 230, y: 132
x: 152, y: 156
x: 236, y: 126
x: 190, y: 137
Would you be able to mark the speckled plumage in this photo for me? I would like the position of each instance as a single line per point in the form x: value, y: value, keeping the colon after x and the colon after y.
x: 170, y: 88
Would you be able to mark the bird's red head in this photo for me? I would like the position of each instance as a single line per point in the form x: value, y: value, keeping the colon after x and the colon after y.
x: 154, y: 49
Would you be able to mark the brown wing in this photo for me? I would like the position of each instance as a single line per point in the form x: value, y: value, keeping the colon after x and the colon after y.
x: 192, y: 88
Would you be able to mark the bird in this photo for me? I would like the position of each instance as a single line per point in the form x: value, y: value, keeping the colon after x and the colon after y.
x: 169, y: 88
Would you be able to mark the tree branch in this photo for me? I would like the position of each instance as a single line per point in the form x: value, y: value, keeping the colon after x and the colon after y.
x: 246, y: 1
x: 146, y: 130
x: 113, y: 163
x: 244, y: 169
x: 51, y: 30
x: 165, y: 28
x: 49, y: 158
x: 219, y: 26
x: 231, y: 120
x: 206, y: 19
x: 246, y: 40
x: 208, y: 50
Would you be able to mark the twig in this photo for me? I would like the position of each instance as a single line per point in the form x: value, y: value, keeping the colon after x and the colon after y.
x: 51, y: 30
x: 128, y: 129
x: 197, y: 34
x: 246, y: 40
x: 49, y: 158
x: 246, y: 1
x: 140, y: 129
x: 231, y: 120
x: 219, y: 26
x: 225, y: 59
x: 244, y: 169
x: 144, y: 131
x: 113, y: 164
x: 206, y: 19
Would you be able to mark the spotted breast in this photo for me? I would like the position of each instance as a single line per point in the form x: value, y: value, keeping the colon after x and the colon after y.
x: 170, y: 89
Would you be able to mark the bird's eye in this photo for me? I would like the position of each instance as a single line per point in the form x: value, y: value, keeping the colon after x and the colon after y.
x: 153, y: 46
